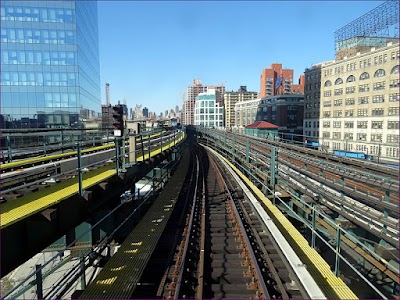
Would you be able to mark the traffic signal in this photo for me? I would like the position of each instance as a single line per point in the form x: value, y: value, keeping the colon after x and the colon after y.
x: 118, y: 118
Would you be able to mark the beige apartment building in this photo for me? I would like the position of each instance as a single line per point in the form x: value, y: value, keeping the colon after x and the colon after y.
x: 359, y: 105
x: 245, y: 113
x: 231, y: 98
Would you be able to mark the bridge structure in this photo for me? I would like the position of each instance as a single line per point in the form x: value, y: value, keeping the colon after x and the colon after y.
x: 346, y: 210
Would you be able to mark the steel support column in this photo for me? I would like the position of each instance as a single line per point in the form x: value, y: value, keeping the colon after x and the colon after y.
x: 80, y: 177
x: 272, y: 166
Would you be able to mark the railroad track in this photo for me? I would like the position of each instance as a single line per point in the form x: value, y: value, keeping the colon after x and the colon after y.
x: 225, y: 251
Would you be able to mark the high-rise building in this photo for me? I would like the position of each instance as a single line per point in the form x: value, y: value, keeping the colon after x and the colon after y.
x: 245, y: 113
x: 192, y: 92
x: 145, y: 112
x: 208, y: 112
x: 278, y: 81
x: 138, y: 112
x: 49, y: 64
x: 312, y: 95
x: 231, y: 98
x: 177, y: 110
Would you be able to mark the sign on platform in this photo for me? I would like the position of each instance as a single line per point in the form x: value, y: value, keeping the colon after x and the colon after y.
x: 117, y: 132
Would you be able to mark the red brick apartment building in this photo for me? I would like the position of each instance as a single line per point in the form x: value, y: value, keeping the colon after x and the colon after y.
x: 278, y: 81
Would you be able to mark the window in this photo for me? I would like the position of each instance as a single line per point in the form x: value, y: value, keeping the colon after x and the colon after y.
x: 380, y: 73
x: 348, y: 136
x: 362, y: 112
x: 349, y: 124
x: 326, y: 124
x: 338, y: 81
x: 394, y: 83
x: 364, y: 76
x: 327, y: 93
x: 337, y: 113
x: 349, y: 113
x: 328, y: 83
x: 337, y: 135
x: 361, y: 136
x: 379, y: 86
x: 394, y: 97
x: 337, y: 124
x: 392, y: 138
x: 378, y: 112
x: 351, y: 78
x: 327, y: 114
x: 395, y: 70
x: 377, y: 124
x: 338, y: 102
x: 363, y: 88
x: 393, y: 125
x: 362, y: 124
x: 350, y: 101
x: 393, y: 111
x: 338, y: 92
x: 350, y: 90
x: 326, y: 134
x: 363, y: 100
x: 378, y: 99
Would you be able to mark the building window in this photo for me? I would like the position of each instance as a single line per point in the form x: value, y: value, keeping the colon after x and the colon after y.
x: 338, y: 92
x: 349, y: 124
x: 337, y: 124
x: 362, y: 124
x: 364, y: 76
x: 349, y: 113
x: 350, y: 101
x: 326, y: 134
x: 327, y: 114
x: 395, y: 70
x: 363, y: 100
x: 350, y: 90
x: 377, y: 112
x: 393, y: 125
x: 379, y: 86
x: 337, y: 113
x: 361, y: 136
x: 380, y: 73
x: 362, y: 112
x: 378, y: 99
x: 338, y: 102
x: 337, y: 135
x: 338, y: 81
x: 328, y: 83
x: 351, y: 78
x: 377, y: 124
x: 326, y: 124
x: 393, y: 111
x: 392, y: 138
x: 394, y: 97
x: 363, y: 88
x: 394, y: 83
x: 348, y: 136
x: 327, y: 93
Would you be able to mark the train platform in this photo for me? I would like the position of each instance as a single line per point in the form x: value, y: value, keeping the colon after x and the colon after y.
x: 34, y: 202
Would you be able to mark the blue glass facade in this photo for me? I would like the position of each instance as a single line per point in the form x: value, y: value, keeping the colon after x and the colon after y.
x: 50, y: 73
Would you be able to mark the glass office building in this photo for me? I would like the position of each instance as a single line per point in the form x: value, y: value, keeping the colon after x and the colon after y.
x: 50, y: 73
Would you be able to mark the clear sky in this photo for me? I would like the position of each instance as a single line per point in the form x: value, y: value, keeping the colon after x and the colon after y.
x: 150, y: 51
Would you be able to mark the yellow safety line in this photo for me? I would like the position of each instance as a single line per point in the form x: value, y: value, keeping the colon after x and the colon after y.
x: 27, y: 205
x: 333, y: 287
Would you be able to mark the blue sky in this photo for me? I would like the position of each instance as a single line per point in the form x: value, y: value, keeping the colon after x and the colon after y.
x: 150, y: 51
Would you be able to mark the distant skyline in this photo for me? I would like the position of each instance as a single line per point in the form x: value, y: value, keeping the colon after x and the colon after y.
x: 151, y: 51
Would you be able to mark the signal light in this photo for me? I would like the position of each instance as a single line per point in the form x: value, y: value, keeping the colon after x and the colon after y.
x: 118, y: 118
